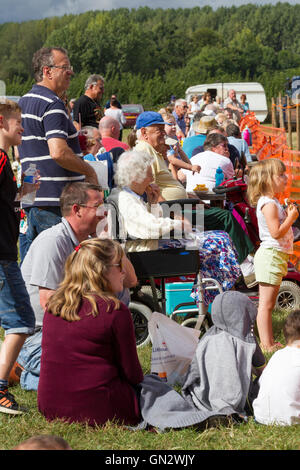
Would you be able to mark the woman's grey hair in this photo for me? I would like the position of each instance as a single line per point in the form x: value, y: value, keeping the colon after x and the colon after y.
x: 132, y: 167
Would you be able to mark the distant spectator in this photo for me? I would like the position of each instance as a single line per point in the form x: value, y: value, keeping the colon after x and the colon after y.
x: 221, y: 118
x: 244, y: 103
x: 194, y: 105
x: 107, y: 104
x: 115, y: 112
x: 87, y: 110
x: 172, y: 149
x: 71, y: 106
x: 201, y: 128
x: 235, y: 138
x: 232, y: 102
x: 206, y: 99
x: 210, y: 110
x: 180, y: 110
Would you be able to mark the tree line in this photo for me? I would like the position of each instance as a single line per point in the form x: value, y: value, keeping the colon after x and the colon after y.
x: 148, y: 54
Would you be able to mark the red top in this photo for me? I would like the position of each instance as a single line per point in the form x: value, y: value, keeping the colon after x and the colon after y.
x: 88, y: 367
x: 110, y: 143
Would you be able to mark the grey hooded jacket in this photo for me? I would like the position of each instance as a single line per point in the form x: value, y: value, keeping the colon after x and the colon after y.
x: 220, y: 375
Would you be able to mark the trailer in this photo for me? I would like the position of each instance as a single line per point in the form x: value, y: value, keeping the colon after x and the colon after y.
x: 254, y: 91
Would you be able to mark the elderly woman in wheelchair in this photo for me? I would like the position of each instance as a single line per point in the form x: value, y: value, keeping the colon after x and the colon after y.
x: 143, y: 219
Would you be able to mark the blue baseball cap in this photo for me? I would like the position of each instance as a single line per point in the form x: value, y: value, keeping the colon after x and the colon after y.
x: 149, y: 118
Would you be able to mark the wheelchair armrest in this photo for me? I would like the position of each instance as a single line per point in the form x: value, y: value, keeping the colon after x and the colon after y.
x: 223, y: 190
x: 181, y: 202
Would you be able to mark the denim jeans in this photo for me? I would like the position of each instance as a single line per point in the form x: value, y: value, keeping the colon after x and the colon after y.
x: 39, y: 219
x: 30, y: 359
x: 16, y: 314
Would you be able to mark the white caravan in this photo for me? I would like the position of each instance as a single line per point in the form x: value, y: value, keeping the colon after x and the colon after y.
x: 254, y: 91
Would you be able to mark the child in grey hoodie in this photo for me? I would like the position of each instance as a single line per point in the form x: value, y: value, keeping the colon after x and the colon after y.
x: 220, y: 375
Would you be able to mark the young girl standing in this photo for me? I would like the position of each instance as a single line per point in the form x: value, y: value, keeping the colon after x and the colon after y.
x: 267, y: 181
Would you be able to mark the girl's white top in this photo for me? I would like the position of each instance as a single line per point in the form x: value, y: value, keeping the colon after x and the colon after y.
x: 285, y: 243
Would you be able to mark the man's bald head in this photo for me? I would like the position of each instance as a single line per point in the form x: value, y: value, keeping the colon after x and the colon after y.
x: 109, y: 127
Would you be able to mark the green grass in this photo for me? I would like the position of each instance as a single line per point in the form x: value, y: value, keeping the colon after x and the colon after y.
x: 250, y: 436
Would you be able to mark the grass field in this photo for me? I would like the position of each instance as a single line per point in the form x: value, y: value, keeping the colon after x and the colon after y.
x: 250, y: 436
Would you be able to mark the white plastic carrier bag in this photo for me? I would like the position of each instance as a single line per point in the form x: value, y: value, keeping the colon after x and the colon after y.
x: 173, y: 347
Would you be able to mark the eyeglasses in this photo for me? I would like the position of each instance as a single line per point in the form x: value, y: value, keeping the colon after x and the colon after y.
x: 96, y: 206
x: 67, y: 68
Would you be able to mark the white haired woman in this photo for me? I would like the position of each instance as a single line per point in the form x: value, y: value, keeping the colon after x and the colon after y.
x: 143, y: 220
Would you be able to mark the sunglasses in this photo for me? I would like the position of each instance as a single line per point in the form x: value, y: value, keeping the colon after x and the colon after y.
x: 119, y: 265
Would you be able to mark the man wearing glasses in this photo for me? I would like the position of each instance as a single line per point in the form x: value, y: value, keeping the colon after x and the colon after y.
x: 50, y: 139
x: 180, y: 110
x: 87, y: 110
x: 43, y: 266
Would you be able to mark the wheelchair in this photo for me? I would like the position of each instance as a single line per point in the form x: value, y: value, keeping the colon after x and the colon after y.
x: 153, y: 269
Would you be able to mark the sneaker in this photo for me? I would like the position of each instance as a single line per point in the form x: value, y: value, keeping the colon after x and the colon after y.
x: 8, y: 404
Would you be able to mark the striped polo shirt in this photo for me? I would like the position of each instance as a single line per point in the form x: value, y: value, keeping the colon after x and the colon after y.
x: 44, y: 117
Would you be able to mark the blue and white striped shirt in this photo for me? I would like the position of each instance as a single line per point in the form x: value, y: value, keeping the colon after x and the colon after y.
x: 44, y: 117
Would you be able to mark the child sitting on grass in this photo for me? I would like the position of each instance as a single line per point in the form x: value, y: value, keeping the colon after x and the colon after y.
x: 278, y: 400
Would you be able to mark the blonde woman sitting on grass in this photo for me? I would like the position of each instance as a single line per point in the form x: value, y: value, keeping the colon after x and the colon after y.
x: 89, y: 362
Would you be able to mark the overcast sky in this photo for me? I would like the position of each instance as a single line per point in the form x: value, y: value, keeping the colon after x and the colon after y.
x: 23, y: 10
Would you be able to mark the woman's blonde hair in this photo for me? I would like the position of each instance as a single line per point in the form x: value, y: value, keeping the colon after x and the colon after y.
x: 166, y: 114
x: 261, y: 181
x: 85, y: 278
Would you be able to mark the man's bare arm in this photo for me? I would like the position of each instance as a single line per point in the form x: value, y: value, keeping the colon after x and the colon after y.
x: 45, y: 295
x: 65, y: 157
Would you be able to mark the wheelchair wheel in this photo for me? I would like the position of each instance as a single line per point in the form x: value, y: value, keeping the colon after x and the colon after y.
x: 192, y: 321
x: 288, y: 297
x: 140, y: 315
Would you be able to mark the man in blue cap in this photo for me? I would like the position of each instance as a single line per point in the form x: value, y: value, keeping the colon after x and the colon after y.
x: 151, y: 138
x: 151, y: 135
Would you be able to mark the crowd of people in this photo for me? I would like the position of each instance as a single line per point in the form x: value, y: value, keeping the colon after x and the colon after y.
x: 64, y: 308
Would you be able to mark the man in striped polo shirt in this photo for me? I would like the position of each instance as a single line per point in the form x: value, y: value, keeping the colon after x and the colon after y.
x: 50, y: 139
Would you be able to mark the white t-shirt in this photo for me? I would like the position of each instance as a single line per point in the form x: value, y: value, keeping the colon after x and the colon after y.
x: 209, y: 162
x: 195, y: 107
x: 285, y: 243
x: 278, y: 400
x: 116, y: 114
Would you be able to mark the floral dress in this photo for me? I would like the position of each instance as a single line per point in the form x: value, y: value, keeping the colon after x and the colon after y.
x: 218, y: 258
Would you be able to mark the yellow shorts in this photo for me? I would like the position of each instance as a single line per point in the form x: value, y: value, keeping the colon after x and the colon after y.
x: 270, y: 265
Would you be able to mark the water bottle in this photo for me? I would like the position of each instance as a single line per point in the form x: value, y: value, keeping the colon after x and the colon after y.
x: 246, y: 135
x: 219, y: 176
x: 30, y: 179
